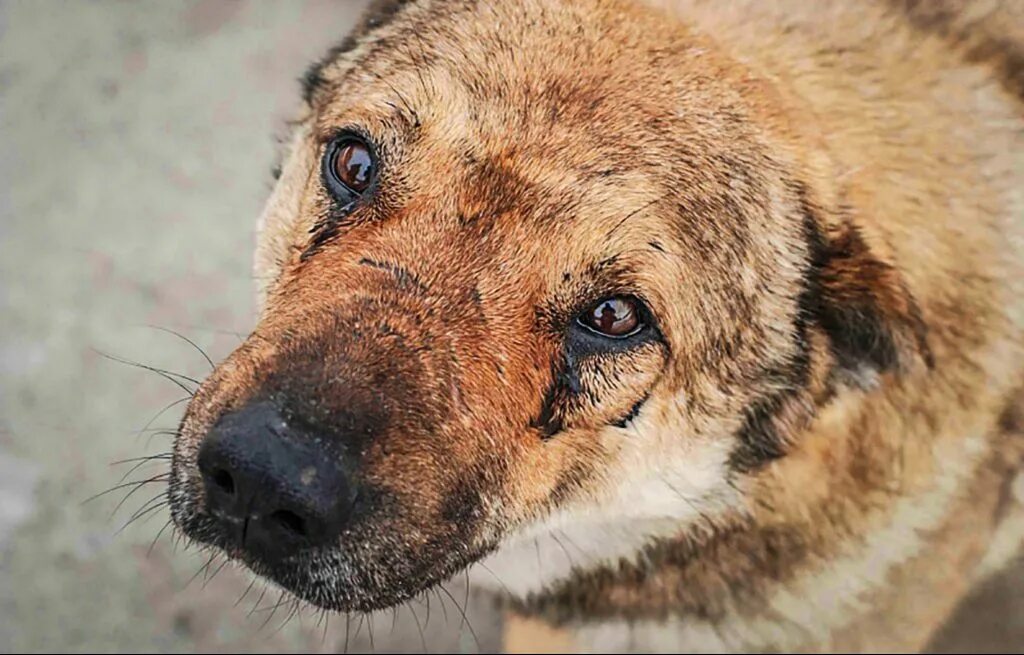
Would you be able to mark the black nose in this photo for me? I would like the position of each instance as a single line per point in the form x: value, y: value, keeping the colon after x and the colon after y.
x: 273, y: 488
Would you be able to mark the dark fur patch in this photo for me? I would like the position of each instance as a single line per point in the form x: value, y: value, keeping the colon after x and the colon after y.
x: 861, y: 305
x: 853, y: 321
x: 494, y: 189
x: 977, y: 45
x: 406, y: 279
x: 631, y: 414
x: 759, y: 436
x: 326, y: 229
x: 707, y: 578
x: 1011, y: 419
x: 461, y: 506
x: 858, y: 300
x: 760, y: 441
x: 546, y: 419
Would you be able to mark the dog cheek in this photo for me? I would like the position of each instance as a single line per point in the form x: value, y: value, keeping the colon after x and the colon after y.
x: 614, y: 389
x: 284, y: 226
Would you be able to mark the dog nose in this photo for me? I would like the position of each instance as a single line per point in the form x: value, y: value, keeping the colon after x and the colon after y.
x: 273, y: 488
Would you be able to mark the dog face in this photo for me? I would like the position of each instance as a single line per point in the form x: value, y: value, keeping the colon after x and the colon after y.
x: 527, y: 264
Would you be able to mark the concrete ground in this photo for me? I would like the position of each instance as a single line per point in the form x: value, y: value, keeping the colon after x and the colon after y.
x: 137, y: 144
x: 135, y: 153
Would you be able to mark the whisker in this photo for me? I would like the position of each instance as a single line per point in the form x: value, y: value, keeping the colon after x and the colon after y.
x: 162, y: 494
x: 325, y: 617
x: 288, y: 617
x: 188, y: 341
x: 212, y: 330
x: 147, y: 458
x: 149, y: 551
x: 369, y: 630
x: 568, y: 555
x: 258, y: 601
x: 159, y: 478
x: 273, y: 610
x: 281, y: 602
x: 631, y: 215
x: 573, y: 543
x: 130, y: 471
x: 130, y: 493
x: 419, y: 626
x: 444, y: 610
x: 359, y: 626
x: 214, y: 575
x: 401, y: 98
x: 161, y: 433
x: 245, y: 593
x: 495, y: 576
x: 202, y: 568
x: 465, y: 618
x: 159, y: 414
x: 137, y: 516
x: 703, y: 515
x: 167, y: 375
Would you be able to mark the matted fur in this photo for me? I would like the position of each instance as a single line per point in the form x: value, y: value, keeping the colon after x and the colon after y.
x: 823, y: 206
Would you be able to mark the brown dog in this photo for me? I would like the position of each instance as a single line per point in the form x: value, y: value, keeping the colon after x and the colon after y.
x: 701, y: 325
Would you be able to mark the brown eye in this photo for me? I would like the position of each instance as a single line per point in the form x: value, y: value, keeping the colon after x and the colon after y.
x: 352, y: 164
x: 613, y: 317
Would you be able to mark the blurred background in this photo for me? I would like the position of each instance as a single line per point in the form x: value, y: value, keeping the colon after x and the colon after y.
x: 136, y: 144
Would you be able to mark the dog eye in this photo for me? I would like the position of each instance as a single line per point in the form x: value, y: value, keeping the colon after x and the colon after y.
x: 350, y: 164
x: 617, y: 317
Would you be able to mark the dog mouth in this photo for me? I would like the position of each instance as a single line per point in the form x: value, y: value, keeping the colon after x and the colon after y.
x: 314, y: 577
x: 373, y: 565
x: 336, y: 579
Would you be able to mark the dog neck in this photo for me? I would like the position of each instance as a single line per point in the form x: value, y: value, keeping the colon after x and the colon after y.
x: 794, y: 568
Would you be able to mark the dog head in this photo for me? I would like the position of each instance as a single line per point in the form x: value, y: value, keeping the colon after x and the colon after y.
x: 527, y: 264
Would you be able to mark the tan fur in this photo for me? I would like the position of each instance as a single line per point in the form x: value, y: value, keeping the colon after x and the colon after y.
x: 778, y: 179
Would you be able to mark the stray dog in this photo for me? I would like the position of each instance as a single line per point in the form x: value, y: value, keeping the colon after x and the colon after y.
x: 701, y: 325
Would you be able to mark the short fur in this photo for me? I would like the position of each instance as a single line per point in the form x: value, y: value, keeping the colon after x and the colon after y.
x: 819, y: 446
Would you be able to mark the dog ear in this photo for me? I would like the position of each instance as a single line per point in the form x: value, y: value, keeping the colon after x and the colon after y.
x: 862, y: 304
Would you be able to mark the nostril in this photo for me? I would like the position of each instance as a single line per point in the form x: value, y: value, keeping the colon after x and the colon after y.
x: 290, y: 521
x: 224, y: 481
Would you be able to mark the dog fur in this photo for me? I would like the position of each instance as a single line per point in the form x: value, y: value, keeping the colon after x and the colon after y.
x: 823, y: 205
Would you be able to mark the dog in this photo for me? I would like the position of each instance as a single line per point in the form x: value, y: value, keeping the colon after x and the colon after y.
x: 697, y: 325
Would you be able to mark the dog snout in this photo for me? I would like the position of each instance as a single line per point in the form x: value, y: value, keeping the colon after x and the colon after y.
x: 272, y: 487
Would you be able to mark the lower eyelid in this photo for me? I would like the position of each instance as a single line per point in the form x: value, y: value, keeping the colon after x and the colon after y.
x: 584, y: 340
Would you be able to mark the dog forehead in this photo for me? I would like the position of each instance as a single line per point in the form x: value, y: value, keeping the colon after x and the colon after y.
x: 546, y: 140
x: 544, y: 62
x: 496, y: 91
x: 561, y: 150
